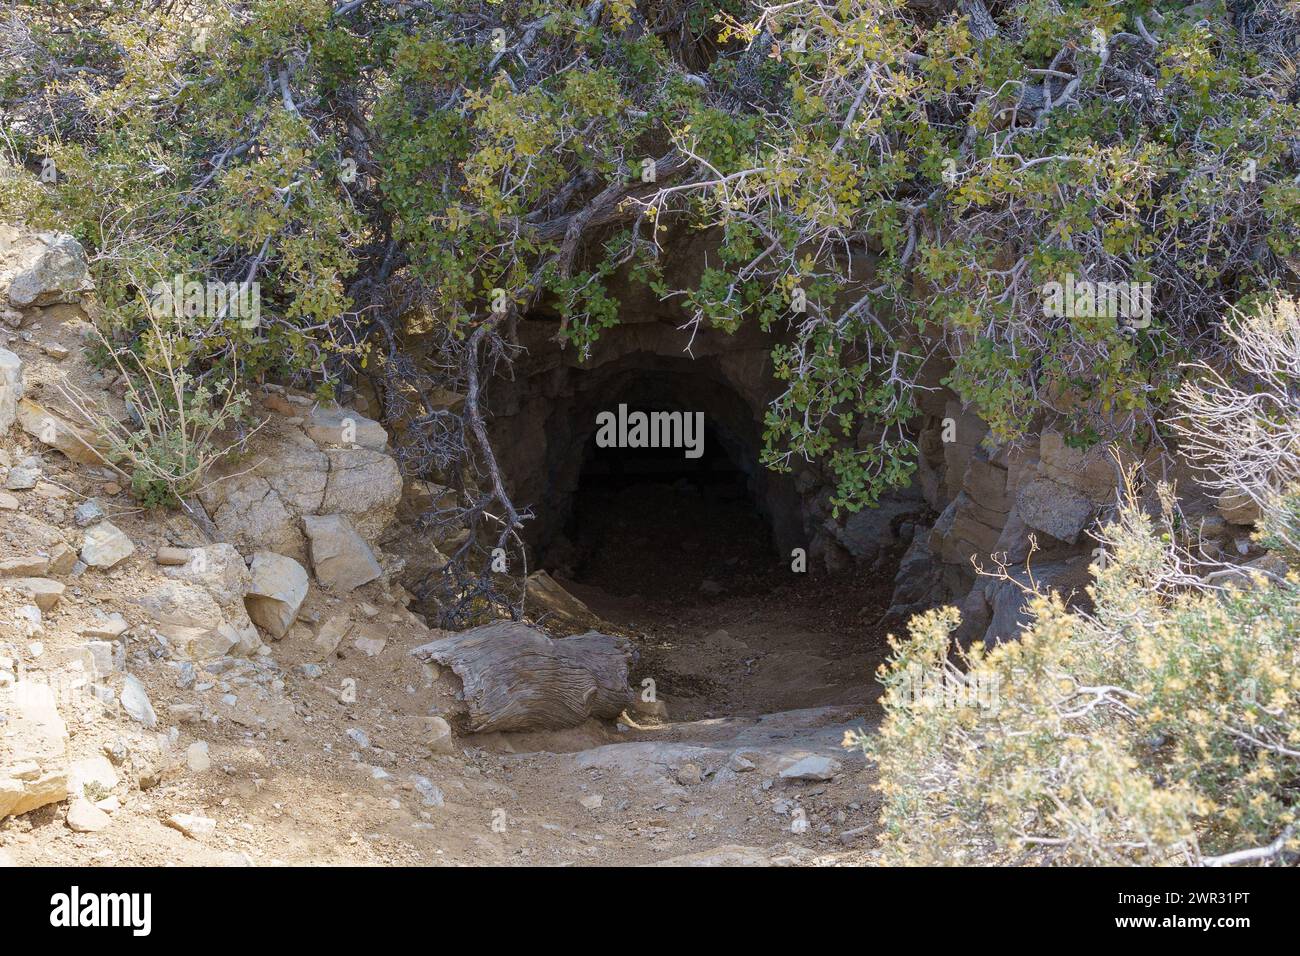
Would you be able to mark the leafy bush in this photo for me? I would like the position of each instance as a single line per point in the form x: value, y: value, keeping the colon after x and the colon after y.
x: 1164, y: 726
x: 884, y: 182
x: 177, y: 423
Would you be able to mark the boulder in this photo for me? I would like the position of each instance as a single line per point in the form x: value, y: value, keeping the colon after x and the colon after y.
x: 88, y: 512
x: 51, y: 428
x: 276, y: 592
x: 331, y: 634
x: 262, y: 508
x: 197, y: 626
x: 105, y: 545
x: 136, y: 703
x: 105, y: 657
x: 33, y: 749
x: 85, y: 817
x: 197, y: 757
x: 23, y: 476
x: 62, y: 558
x: 332, y: 425
x: 364, y: 485
x: 95, y: 772
x: 41, y: 268
x: 24, y: 566
x: 872, y: 532
x: 961, y: 532
x: 439, y: 739
x: 11, y: 388
x: 1056, y: 509
x: 369, y: 640
x: 917, y: 581
x: 217, y: 568
x: 172, y: 557
x: 340, y: 558
x: 200, y: 610
x: 1007, y: 599
x: 1092, y: 473
x: 814, y: 767
x: 105, y: 626
x: 1237, y: 509
x: 986, y: 483
x: 251, y: 514
x: 43, y: 592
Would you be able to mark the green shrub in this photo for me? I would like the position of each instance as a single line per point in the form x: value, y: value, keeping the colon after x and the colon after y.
x: 179, y: 425
x: 1161, y: 728
x: 883, y: 183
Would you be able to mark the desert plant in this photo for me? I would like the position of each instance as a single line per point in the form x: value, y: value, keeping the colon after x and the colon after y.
x: 1242, y: 424
x: 176, y: 420
x: 1163, y: 726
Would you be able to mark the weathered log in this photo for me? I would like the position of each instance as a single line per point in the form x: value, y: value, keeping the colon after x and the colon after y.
x: 516, y: 677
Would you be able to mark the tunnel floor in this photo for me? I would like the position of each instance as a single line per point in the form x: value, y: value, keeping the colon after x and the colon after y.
x: 678, y: 542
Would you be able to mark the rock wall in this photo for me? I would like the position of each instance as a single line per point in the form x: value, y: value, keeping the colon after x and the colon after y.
x: 1028, y: 507
x: 313, y: 460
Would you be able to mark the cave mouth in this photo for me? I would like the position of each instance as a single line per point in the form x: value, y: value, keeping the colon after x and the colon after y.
x: 689, y: 519
x: 654, y: 523
x: 689, y: 557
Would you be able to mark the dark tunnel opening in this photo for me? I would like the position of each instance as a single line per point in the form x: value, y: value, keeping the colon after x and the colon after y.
x: 650, y: 521
x: 655, y: 521
x: 692, y: 557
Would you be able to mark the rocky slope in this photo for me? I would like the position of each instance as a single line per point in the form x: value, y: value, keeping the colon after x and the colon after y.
x: 235, y: 684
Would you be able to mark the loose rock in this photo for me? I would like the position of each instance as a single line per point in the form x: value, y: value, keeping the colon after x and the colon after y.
x: 278, y: 588
x: 22, y: 477
x: 11, y: 388
x: 135, y: 701
x: 85, y: 817
x: 33, y: 761
x: 689, y: 775
x: 194, y: 827
x: 340, y: 558
x: 43, y: 592
x: 813, y: 767
x: 105, y: 546
x: 88, y: 512
x: 196, y: 756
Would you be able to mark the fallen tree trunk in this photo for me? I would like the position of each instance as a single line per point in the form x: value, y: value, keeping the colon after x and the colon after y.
x: 516, y: 677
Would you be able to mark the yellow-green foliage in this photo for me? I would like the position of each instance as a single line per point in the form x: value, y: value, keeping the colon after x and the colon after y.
x: 1164, y: 728
x: 357, y: 158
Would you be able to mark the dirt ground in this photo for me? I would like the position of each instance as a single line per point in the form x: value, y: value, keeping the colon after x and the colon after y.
x: 759, y: 669
x: 305, y: 793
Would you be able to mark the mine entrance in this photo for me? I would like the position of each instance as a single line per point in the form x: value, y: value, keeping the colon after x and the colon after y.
x: 678, y: 523
x: 653, y: 522
x: 687, y: 554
